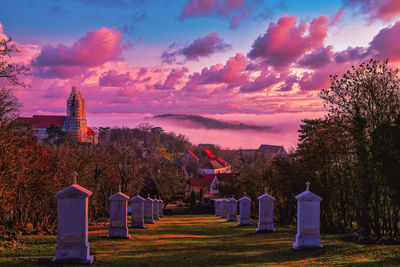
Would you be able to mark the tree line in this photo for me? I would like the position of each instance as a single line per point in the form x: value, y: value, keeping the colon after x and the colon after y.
x: 351, y: 157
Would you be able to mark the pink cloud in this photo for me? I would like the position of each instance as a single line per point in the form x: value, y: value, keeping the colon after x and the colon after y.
x: 386, y: 44
x: 284, y: 42
x: 318, y: 58
x: 114, y: 79
x: 172, y: 79
x: 336, y: 18
x: 263, y: 81
x: 94, y: 49
x: 201, y: 47
x: 232, y: 73
x: 384, y: 10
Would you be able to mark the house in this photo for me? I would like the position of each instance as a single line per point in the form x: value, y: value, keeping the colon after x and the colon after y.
x: 212, y: 185
x: 272, y: 149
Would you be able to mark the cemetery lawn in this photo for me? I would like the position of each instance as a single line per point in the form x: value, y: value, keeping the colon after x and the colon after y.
x: 205, y: 241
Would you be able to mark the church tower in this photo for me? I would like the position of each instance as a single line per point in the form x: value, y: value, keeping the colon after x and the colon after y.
x: 75, y: 122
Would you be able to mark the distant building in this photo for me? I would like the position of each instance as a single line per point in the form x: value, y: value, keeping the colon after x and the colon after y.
x: 74, y: 123
x: 273, y: 149
x: 212, y: 185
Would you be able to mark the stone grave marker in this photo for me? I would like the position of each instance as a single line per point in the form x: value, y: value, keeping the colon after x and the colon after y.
x: 232, y: 209
x: 308, y: 220
x: 224, y: 208
x: 160, y: 208
x: 118, y: 215
x: 156, y: 206
x: 218, y: 207
x: 72, y: 224
x: 148, y: 210
x: 265, y: 212
x: 245, y: 210
x: 137, y: 212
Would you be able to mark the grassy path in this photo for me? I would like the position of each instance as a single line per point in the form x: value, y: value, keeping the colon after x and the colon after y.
x: 206, y: 241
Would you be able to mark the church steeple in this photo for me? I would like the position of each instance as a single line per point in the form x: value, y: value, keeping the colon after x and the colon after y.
x: 75, y: 122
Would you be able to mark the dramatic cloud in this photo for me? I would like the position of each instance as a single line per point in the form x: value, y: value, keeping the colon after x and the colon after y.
x: 386, y: 44
x: 284, y: 42
x: 201, y: 47
x: 318, y: 58
x: 336, y: 18
x: 384, y: 10
x: 172, y: 79
x: 196, y: 121
x: 94, y: 49
x: 114, y: 79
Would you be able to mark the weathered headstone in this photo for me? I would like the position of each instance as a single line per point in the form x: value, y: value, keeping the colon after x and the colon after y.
x: 218, y: 207
x: 72, y: 224
x: 308, y: 221
x: 224, y: 208
x: 232, y: 209
x: 265, y: 213
x: 156, y: 206
x: 148, y: 210
x: 118, y: 215
x: 245, y: 211
x: 137, y: 212
x: 160, y: 208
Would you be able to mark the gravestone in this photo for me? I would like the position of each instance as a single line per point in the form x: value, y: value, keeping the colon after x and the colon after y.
x: 118, y: 215
x: 265, y: 212
x: 224, y: 208
x: 232, y: 209
x: 137, y: 212
x: 245, y: 211
x: 160, y: 208
x: 156, y: 206
x: 72, y: 224
x: 308, y: 212
x: 218, y: 207
x: 148, y: 210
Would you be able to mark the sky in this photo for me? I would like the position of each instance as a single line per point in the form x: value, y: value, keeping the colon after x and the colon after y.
x: 256, y: 62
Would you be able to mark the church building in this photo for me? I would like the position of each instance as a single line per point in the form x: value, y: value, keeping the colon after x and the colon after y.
x: 74, y: 123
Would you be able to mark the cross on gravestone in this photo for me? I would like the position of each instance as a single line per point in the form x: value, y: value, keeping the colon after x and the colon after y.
x: 308, y: 220
x: 119, y: 188
x: 72, y: 225
x: 74, y: 175
x: 308, y: 186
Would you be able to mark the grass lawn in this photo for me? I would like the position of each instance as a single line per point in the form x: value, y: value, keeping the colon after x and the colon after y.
x: 205, y: 241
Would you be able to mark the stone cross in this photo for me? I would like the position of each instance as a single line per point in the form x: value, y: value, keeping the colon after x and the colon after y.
x: 74, y: 175
x: 119, y: 188
x: 308, y: 186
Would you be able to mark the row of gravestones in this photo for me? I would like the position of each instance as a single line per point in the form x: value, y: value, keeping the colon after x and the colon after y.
x: 308, y: 215
x: 72, y: 220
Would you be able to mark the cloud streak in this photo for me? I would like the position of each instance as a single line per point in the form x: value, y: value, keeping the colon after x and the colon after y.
x: 196, y: 121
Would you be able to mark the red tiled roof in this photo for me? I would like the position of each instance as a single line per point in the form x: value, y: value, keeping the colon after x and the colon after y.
x: 90, y: 132
x: 43, y: 121
x: 191, y: 153
x: 209, y: 153
x: 223, y: 162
